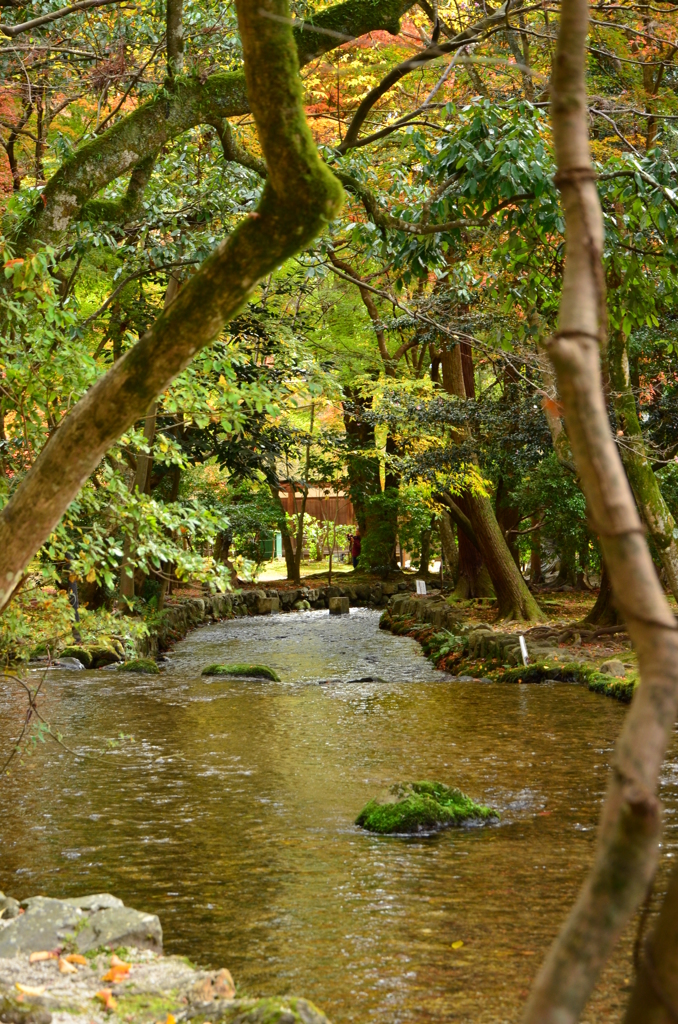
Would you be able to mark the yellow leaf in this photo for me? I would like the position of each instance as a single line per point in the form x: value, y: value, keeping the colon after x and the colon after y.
x: 66, y: 968
x: 458, y: 944
x: 171, y: 1019
x: 28, y: 991
x: 91, y: 576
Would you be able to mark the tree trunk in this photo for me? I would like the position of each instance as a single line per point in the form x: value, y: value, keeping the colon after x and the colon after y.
x: 139, y: 484
x: 448, y: 543
x: 630, y: 828
x: 649, y: 498
x: 654, y: 999
x: 288, y: 548
x: 604, y: 611
x: 536, y: 572
x: 513, y: 597
x: 425, y: 556
x: 362, y: 467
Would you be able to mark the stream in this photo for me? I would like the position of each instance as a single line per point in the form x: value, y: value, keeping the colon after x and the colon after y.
x: 231, y: 816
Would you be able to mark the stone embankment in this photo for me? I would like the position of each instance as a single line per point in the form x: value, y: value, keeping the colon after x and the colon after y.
x: 177, y: 620
x: 478, y: 651
x: 91, y: 960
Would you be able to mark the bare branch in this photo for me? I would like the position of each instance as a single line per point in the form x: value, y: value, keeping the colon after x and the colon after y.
x: 44, y: 19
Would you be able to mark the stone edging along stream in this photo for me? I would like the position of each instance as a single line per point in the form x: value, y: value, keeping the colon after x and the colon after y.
x: 476, y: 650
x: 177, y: 620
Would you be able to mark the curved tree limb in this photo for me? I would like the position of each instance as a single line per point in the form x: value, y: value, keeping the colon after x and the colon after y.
x: 627, y: 848
x: 44, y: 19
x: 299, y: 198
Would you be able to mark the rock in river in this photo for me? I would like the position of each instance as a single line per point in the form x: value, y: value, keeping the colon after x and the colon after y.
x: 84, y: 924
x: 421, y: 807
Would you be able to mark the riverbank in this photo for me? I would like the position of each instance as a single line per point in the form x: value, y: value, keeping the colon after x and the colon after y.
x: 478, y: 651
x: 90, y: 960
x: 151, y: 637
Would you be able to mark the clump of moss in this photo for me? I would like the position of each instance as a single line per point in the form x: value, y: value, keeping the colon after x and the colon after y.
x: 573, y: 672
x: 422, y: 807
x: 144, y: 666
x: 250, y: 671
x: 81, y: 653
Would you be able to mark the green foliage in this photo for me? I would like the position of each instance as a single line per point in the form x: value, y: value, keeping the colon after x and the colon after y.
x: 422, y: 807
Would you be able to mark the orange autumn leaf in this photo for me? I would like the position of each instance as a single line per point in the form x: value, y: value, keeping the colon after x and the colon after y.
x: 105, y: 996
x: 76, y: 958
x: 116, y: 974
x: 117, y: 962
x: 43, y: 954
x: 66, y: 968
x: 26, y: 990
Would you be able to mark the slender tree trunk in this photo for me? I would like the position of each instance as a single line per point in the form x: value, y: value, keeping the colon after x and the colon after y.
x: 425, y: 556
x: 536, y: 572
x: 627, y: 848
x: 139, y: 484
x: 288, y: 547
x: 649, y: 498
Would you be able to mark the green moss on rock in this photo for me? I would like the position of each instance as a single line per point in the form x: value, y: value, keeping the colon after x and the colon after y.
x: 422, y: 807
x: 143, y: 666
x: 81, y: 653
x: 249, y: 671
x: 573, y: 672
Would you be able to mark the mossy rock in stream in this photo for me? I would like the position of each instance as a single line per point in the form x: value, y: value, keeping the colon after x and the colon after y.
x: 142, y: 666
x: 422, y: 807
x: 83, y: 654
x: 247, y: 671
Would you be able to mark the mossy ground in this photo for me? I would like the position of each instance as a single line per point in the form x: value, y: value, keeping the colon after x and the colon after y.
x: 450, y: 654
x: 249, y: 671
x: 422, y: 807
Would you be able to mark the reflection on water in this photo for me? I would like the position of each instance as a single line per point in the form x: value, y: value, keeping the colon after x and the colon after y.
x: 231, y: 817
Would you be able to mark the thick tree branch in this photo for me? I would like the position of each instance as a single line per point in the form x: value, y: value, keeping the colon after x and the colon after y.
x: 299, y: 198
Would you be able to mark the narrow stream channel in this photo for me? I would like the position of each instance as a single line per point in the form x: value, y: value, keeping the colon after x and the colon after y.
x: 231, y: 816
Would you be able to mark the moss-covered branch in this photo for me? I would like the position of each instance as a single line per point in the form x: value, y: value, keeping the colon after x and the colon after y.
x: 122, y: 210
x: 300, y: 196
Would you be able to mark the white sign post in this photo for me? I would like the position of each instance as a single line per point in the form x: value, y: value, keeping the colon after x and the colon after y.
x: 421, y: 586
x: 523, y: 649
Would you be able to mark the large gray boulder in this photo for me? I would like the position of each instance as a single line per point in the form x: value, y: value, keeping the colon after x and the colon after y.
x: 45, y: 924
x: 83, y: 923
x: 120, y: 926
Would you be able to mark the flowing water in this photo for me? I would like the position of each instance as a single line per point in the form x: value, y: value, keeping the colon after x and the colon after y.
x: 231, y: 816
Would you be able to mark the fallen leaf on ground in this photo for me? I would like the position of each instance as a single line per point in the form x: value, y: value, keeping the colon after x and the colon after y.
x: 106, y: 997
x: 171, y: 1019
x: 43, y: 954
x: 66, y: 968
x: 28, y: 991
x: 458, y: 944
x: 76, y: 958
x: 117, y: 974
x: 117, y: 962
